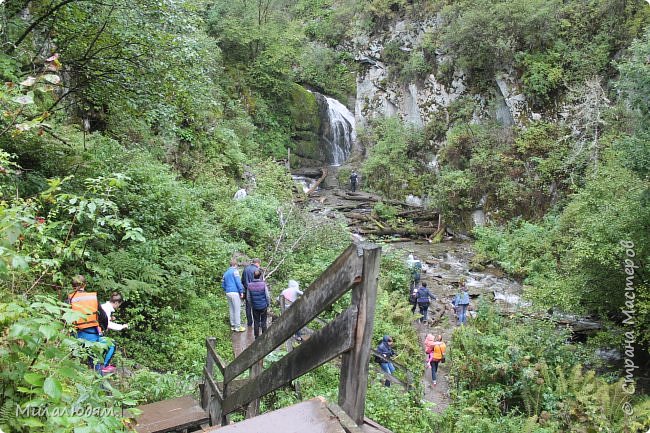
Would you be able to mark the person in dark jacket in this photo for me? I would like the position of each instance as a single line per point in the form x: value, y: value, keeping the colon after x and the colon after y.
x: 424, y: 298
x: 259, y: 299
x: 354, y: 178
x: 386, y: 352
x: 247, y: 277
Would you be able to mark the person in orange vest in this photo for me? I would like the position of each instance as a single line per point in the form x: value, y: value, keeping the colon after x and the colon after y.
x: 88, y: 327
x: 435, y: 349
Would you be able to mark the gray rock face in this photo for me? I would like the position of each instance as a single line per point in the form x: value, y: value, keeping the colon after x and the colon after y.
x: 416, y: 102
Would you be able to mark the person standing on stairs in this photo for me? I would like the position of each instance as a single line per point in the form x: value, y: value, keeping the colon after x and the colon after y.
x: 259, y: 299
x: 423, y: 299
x: 234, y: 290
x: 247, y: 277
x: 435, y: 349
x: 386, y: 352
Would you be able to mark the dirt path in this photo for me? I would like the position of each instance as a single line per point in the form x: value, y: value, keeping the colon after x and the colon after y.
x: 438, y: 394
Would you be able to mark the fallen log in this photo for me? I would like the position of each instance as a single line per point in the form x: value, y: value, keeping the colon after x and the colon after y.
x: 360, y: 196
x: 307, y: 172
x: 318, y: 182
x: 400, y: 231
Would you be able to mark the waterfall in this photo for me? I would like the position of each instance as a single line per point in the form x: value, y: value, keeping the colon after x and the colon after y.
x: 337, y: 132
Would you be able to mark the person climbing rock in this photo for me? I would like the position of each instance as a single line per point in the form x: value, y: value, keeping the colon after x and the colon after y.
x: 461, y: 302
x: 259, y: 299
x: 435, y: 350
x: 354, y: 177
x: 290, y: 295
x: 247, y: 277
x: 423, y: 298
x: 234, y: 290
x: 386, y: 352
x: 88, y: 327
x: 109, y: 307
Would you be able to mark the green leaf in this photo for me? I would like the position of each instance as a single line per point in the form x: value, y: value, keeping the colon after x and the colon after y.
x: 68, y: 372
x: 49, y: 331
x: 52, y: 387
x: 35, y: 379
x: 18, y: 262
x: 31, y: 422
x: 25, y: 99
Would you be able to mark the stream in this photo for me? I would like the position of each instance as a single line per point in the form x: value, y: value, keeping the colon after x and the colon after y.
x: 443, y: 265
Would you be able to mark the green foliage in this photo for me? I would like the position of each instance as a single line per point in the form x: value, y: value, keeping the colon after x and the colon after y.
x: 519, y: 375
x: 543, y: 38
x: 38, y: 372
x: 390, y: 167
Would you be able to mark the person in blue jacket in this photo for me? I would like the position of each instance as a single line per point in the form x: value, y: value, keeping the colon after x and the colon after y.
x: 232, y: 285
x: 461, y: 302
x: 386, y: 352
x: 258, y: 298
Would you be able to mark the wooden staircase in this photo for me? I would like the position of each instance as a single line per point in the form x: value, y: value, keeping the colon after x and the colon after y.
x: 348, y: 335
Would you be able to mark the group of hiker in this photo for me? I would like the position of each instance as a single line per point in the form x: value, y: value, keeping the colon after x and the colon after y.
x: 252, y: 288
x: 95, y: 322
x: 420, y: 297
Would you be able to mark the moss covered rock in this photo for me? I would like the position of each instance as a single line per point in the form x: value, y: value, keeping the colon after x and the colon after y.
x: 303, y: 109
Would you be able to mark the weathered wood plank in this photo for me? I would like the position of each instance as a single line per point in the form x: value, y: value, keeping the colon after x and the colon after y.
x: 214, y: 388
x: 354, y: 364
x: 209, y: 365
x: 254, y: 406
x: 330, y: 285
x: 167, y: 415
x: 324, y: 345
x: 218, y: 361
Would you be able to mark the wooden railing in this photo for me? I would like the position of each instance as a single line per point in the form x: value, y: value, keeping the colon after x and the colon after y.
x: 349, y: 335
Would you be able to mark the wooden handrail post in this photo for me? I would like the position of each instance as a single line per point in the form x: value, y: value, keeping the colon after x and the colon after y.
x: 206, y: 395
x: 354, y: 363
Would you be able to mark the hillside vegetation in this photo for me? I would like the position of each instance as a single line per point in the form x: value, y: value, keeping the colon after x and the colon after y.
x: 127, y: 127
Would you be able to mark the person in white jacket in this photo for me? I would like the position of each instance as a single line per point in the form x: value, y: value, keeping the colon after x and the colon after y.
x: 109, y: 308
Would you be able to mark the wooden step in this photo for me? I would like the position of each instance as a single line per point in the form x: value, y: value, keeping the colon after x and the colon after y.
x: 170, y: 415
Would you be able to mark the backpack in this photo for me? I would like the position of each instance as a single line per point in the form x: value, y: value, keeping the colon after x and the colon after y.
x: 428, y: 343
x: 102, y: 319
x: 461, y: 298
x: 413, y: 296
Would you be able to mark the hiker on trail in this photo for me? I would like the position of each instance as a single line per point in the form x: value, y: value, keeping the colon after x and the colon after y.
x: 290, y: 294
x: 413, y: 298
x: 415, y: 266
x: 259, y: 299
x: 88, y: 327
x: 435, y: 349
x: 354, y: 177
x: 386, y: 352
x: 423, y: 299
x: 460, y: 302
x: 234, y: 290
x: 247, y: 277
x: 109, y: 307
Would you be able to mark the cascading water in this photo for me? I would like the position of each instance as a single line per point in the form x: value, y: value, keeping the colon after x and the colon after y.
x: 337, y: 133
